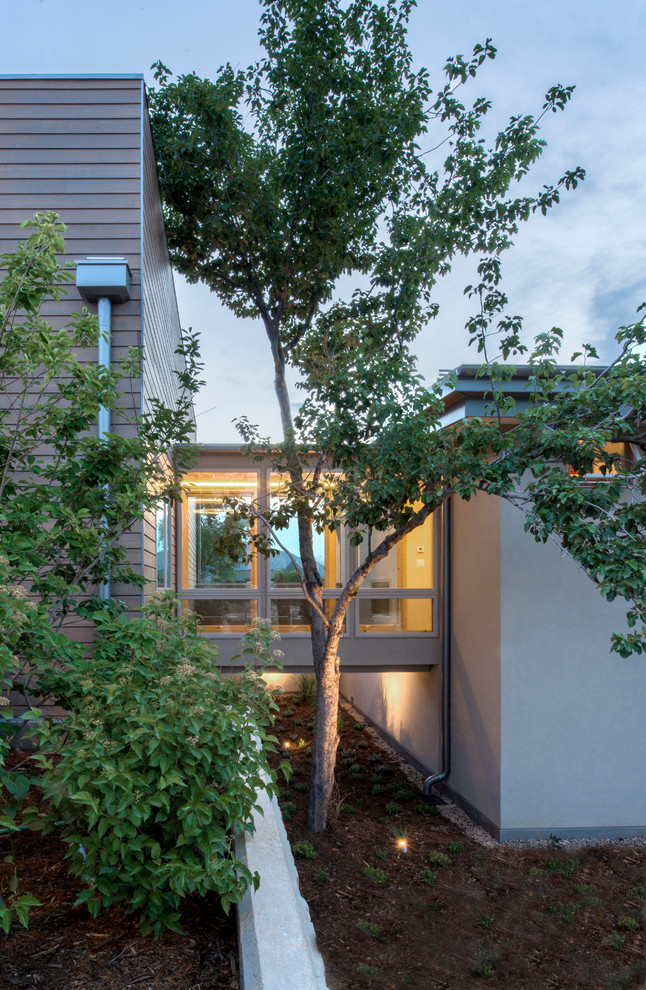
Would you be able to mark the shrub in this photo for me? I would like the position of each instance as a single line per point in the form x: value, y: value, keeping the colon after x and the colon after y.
x: 307, y: 689
x: 376, y: 875
x: 304, y: 850
x: 439, y: 859
x: 157, y: 764
x: 628, y: 924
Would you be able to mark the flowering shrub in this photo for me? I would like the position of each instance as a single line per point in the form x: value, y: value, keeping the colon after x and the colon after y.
x: 157, y: 763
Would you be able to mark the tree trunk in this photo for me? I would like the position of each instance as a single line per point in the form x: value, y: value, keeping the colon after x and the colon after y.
x: 326, y: 737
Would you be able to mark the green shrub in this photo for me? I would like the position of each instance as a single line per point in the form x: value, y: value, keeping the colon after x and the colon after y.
x: 628, y: 924
x: 427, y: 875
x: 287, y: 810
x: 322, y: 876
x: 307, y: 689
x: 157, y: 763
x: 304, y: 850
x: 376, y: 875
x: 439, y: 859
x: 393, y: 808
x: 347, y: 809
x: 369, y: 928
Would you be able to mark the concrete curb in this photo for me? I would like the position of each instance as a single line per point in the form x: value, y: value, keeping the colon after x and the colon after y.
x: 275, y: 932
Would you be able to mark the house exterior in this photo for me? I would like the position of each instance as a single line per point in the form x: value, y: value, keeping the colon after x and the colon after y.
x: 81, y: 146
x: 546, y: 725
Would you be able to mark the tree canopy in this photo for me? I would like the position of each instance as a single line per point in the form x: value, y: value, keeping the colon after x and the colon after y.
x: 303, y: 191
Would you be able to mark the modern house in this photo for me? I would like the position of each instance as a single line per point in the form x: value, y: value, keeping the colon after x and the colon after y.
x: 545, y: 725
x: 81, y: 146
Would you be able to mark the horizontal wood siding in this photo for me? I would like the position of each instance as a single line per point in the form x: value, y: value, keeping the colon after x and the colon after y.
x: 74, y: 146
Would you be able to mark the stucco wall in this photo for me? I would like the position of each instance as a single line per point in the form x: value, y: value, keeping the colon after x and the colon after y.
x: 403, y: 704
x: 475, y: 653
x: 573, y: 740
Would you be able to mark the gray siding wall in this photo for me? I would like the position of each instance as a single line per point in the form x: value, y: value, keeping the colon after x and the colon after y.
x: 161, y: 325
x: 74, y: 146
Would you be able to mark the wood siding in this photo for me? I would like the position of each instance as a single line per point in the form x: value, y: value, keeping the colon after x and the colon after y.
x: 74, y: 146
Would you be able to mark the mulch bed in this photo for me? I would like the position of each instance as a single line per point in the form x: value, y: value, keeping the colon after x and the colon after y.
x: 65, y: 948
x: 525, y: 918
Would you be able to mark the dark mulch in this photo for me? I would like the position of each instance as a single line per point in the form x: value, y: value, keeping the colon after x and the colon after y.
x: 65, y: 948
x: 529, y: 918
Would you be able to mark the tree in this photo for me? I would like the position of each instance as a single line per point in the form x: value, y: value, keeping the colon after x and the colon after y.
x: 282, y: 181
x: 147, y: 697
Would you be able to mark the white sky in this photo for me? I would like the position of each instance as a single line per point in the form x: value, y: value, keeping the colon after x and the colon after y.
x: 582, y: 268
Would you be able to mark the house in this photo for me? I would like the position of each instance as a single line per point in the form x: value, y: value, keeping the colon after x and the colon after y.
x: 81, y: 146
x: 544, y: 726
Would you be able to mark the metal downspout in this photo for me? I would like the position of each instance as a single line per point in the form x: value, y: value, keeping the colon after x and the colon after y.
x: 104, y: 281
x: 437, y: 778
x: 104, y: 308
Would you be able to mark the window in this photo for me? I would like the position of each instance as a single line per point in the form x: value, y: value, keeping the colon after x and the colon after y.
x: 397, y: 595
x: 599, y: 469
x: 164, y: 555
x: 228, y: 592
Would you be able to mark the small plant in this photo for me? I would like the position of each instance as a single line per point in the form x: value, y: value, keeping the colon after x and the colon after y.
x: 378, y: 790
x: 362, y: 744
x: 322, y: 876
x: 341, y: 721
x: 430, y: 810
x: 369, y: 928
x: 615, y: 940
x: 404, y: 793
x: 567, y: 912
x: 288, y: 808
x: 349, y: 752
x: 570, y: 865
x: 358, y: 726
x: 347, y: 809
x: 370, y: 971
x: 439, y: 858
x: 304, y: 850
x: 486, y: 920
x: 454, y: 847
x: 554, y: 843
x: 640, y: 890
x: 376, y: 875
x: 298, y: 721
x: 374, y: 758
x: 289, y: 712
x: 307, y: 689
x: 300, y: 786
x: 484, y: 969
x: 393, y: 808
x: 426, y: 875
x: 381, y: 853
x: 628, y: 924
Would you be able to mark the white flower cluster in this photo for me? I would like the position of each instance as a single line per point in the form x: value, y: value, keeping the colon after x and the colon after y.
x: 4, y: 702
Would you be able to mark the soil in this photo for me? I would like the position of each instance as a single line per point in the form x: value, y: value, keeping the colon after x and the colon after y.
x: 64, y: 948
x: 533, y: 916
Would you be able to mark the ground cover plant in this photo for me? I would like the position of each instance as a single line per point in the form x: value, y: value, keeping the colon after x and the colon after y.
x: 451, y: 912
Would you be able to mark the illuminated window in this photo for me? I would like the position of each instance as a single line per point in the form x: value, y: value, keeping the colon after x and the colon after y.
x: 228, y: 592
x: 600, y: 469
x: 216, y: 546
x: 163, y: 540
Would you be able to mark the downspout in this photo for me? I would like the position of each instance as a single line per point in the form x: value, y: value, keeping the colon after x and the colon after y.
x: 427, y: 796
x: 104, y: 281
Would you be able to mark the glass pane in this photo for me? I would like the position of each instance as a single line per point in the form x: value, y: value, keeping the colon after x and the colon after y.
x: 223, y: 615
x: 395, y: 615
x: 210, y: 531
x: 329, y: 551
x: 292, y: 614
x: 408, y: 565
x: 162, y: 527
